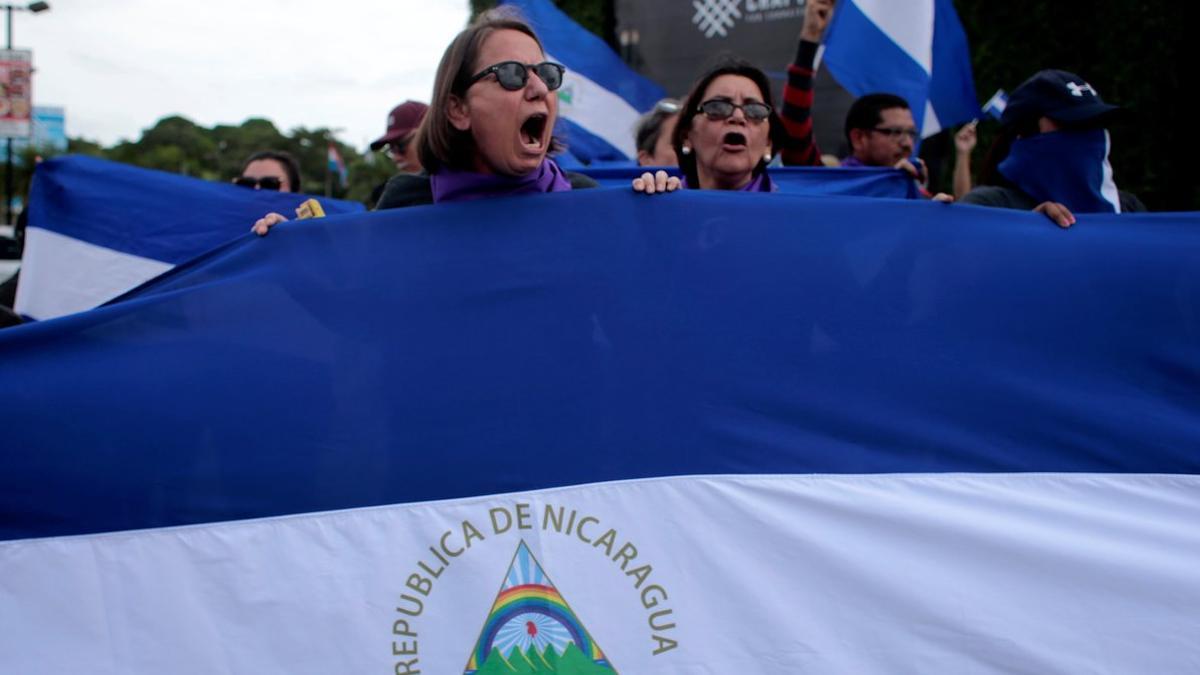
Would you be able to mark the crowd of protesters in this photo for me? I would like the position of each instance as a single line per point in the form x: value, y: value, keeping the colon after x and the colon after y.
x: 488, y: 132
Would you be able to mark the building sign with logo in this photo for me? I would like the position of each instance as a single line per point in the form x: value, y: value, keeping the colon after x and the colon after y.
x: 16, y: 93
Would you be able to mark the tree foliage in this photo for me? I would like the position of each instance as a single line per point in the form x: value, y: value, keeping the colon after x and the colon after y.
x: 178, y: 145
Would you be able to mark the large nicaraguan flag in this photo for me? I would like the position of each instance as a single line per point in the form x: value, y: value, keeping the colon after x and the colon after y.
x: 601, y: 98
x: 914, y: 49
x: 600, y: 432
x: 99, y: 228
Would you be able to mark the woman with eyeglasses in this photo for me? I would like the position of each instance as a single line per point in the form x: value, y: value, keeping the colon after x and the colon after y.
x: 488, y: 129
x: 726, y: 133
x: 270, y: 170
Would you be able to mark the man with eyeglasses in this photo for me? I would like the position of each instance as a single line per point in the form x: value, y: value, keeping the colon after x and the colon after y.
x: 879, y: 127
x: 881, y: 132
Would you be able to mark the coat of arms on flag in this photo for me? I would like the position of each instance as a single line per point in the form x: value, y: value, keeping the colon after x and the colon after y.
x: 531, y: 629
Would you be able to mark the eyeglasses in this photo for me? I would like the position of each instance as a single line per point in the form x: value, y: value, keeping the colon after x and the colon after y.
x: 398, y: 147
x: 719, y: 109
x: 895, y: 133
x: 265, y: 183
x: 512, y: 75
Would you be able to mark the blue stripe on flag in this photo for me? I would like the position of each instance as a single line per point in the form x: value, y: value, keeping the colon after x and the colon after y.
x: 152, y: 214
x: 524, y: 343
x: 952, y: 83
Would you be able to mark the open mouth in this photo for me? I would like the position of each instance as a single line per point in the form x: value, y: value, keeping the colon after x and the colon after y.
x: 533, y: 130
x: 733, y: 138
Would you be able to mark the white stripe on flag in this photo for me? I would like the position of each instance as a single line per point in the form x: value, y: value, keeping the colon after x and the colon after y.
x: 598, y: 110
x: 908, y: 24
x: 940, y: 573
x: 63, y: 275
x: 931, y: 124
x: 1108, y: 187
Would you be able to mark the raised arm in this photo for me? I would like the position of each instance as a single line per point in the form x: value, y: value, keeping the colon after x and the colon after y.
x: 801, y: 147
x: 964, y: 143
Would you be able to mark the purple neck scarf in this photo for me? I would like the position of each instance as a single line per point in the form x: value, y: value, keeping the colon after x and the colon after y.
x: 761, y: 183
x: 452, y: 185
x: 852, y: 161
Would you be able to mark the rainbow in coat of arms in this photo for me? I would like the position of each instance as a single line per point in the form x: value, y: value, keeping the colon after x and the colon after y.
x: 531, y: 629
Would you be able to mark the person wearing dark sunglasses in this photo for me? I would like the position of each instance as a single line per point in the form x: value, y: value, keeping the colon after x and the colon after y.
x: 726, y: 133
x: 270, y: 170
x: 488, y: 129
x: 397, y: 141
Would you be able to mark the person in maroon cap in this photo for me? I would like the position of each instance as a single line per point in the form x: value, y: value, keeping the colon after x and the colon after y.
x: 402, y: 124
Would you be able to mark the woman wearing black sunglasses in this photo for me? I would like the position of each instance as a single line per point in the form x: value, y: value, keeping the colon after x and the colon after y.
x: 270, y: 170
x: 488, y: 129
x: 726, y: 133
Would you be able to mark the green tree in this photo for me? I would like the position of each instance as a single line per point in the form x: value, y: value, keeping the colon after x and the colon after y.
x: 235, y: 143
x: 175, y: 144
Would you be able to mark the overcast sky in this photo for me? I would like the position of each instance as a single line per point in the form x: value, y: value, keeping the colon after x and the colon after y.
x: 117, y: 66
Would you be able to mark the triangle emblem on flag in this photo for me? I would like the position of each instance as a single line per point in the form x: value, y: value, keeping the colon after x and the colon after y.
x: 531, y: 629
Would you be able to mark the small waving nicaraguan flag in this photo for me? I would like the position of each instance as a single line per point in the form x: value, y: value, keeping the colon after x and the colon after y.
x: 995, y: 105
x: 337, y: 165
x: 601, y: 98
x: 916, y: 49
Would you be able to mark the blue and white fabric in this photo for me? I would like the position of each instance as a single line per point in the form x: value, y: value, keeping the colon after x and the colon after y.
x: 700, y: 432
x: 916, y: 50
x: 98, y: 229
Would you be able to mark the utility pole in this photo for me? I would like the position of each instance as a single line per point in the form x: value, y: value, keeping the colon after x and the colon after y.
x: 34, y: 7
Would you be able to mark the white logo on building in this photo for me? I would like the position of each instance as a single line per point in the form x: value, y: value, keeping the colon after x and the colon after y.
x: 716, y: 17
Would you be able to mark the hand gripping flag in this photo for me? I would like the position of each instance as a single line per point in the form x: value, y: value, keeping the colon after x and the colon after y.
x: 601, y: 98
x: 916, y: 50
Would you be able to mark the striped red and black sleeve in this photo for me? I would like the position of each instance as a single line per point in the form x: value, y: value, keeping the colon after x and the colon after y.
x: 801, y: 146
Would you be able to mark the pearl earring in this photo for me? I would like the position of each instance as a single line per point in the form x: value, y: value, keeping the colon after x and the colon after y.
x: 767, y: 158
x: 687, y: 149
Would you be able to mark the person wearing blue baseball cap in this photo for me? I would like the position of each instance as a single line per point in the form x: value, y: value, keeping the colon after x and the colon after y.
x: 1052, y: 154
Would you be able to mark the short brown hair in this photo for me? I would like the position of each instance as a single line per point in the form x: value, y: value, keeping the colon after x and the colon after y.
x: 439, y: 143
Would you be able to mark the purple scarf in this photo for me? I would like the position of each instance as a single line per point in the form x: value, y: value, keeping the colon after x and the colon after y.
x: 761, y: 183
x: 452, y: 185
